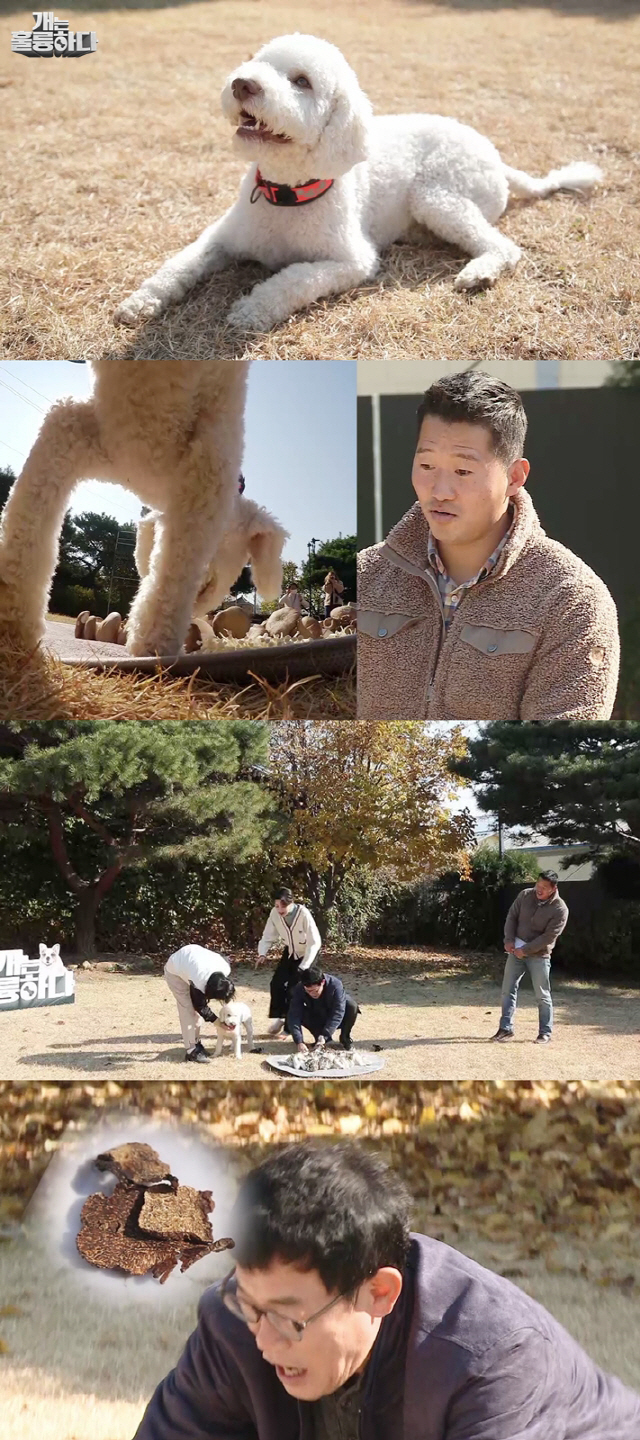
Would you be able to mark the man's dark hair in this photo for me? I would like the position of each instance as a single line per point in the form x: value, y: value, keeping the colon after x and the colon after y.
x: 313, y: 976
x: 284, y: 894
x: 336, y: 1209
x: 217, y: 985
x: 550, y: 875
x: 480, y: 399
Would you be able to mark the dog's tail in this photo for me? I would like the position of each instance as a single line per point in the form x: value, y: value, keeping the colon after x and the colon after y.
x: 580, y: 176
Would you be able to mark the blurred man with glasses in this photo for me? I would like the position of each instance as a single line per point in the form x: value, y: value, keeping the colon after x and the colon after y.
x: 338, y: 1324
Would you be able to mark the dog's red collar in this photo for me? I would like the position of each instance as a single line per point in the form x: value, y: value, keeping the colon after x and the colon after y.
x: 289, y: 194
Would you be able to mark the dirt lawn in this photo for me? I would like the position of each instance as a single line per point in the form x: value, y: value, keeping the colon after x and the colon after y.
x: 432, y: 1023
x: 117, y: 163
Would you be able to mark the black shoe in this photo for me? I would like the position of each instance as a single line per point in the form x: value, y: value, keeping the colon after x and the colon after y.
x: 503, y: 1035
x: 197, y: 1056
x: 200, y: 1047
x: 542, y: 1040
x: 347, y: 1045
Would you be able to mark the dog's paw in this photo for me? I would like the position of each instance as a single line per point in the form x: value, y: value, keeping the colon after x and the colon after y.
x: 139, y: 306
x: 478, y: 275
x: 249, y: 314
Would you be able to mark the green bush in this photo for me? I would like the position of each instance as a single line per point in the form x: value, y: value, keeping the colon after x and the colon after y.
x: 71, y: 599
x: 608, y: 943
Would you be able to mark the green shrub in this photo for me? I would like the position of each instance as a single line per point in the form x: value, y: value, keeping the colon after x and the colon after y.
x: 608, y: 943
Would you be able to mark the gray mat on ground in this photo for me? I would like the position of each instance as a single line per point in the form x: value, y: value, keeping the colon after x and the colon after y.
x: 334, y: 656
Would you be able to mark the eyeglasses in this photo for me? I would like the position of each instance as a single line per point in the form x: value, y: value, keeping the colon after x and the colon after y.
x: 284, y: 1325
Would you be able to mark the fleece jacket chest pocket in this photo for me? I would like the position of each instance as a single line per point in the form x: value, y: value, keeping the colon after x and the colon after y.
x: 383, y: 627
x: 491, y: 641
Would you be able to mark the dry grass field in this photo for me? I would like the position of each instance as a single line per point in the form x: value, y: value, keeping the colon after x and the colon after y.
x: 116, y: 163
x: 38, y: 686
x: 432, y: 1013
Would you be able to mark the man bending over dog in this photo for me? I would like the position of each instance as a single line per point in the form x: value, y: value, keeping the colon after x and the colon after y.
x: 195, y: 976
x: 338, y: 1324
x: 468, y: 611
x: 320, y: 1004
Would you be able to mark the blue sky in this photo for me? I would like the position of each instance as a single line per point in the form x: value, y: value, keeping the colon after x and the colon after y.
x: 300, y: 452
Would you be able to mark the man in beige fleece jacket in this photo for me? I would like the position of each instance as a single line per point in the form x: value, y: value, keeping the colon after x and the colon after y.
x: 468, y: 611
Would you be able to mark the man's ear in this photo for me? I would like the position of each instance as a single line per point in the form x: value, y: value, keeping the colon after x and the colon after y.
x: 383, y: 1291
x: 517, y: 475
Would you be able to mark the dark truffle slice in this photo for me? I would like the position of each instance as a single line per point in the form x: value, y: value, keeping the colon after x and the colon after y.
x: 109, y: 1236
x: 180, y: 1216
x: 136, y: 1163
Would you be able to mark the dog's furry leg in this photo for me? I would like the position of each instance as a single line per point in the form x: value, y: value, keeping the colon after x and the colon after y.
x: 179, y: 275
x: 66, y: 451
x: 461, y: 222
x: 248, y: 1028
x: 145, y: 538
x: 254, y: 537
x: 298, y: 286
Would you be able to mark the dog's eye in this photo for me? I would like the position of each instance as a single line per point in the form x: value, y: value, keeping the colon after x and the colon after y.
x: 301, y: 82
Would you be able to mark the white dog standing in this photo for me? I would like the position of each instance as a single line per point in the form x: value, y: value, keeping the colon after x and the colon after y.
x: 173, y: 433
x: 233, y: 1018
x: 335, y: 186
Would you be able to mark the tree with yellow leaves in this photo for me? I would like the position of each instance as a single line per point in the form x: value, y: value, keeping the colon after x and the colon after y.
x: 366, y: 795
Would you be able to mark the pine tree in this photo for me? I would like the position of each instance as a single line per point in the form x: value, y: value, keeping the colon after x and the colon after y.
x: 576, y: 783
x: 116, y: 795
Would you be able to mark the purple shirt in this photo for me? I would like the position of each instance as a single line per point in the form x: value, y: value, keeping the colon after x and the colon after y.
x: 465, y: 1355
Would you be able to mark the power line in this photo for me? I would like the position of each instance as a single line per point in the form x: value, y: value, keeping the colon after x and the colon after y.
x: 24, y: 398
x: 28, y: 387
x: 12, y: 447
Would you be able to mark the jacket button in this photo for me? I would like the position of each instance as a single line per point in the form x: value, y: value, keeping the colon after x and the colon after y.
x: 382, y: 632
x: 491, y: 649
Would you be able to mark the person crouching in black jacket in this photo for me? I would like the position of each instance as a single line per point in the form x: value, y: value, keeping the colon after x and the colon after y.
x: 320, y: 1003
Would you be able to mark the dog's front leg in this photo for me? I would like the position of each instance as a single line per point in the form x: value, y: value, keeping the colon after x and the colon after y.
x: 298, y: 286
x: 248, y: 1029
x: 237, y: 1044
x: 219, y: 1040
x: 211, y: 251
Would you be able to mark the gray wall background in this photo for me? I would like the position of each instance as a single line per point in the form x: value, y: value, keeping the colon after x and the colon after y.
x: 584, y: 449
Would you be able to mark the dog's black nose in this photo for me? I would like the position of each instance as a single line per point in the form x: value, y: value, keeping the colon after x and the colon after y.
x: 243, y: 89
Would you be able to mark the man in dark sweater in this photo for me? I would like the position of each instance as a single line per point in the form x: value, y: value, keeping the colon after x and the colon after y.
x: 534, y: 922
x: 338, y: 1324
x: 320, y: 1004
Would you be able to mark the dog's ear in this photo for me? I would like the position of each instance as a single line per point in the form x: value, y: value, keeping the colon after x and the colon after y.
x: 345, y: 139
x: 266, y: 544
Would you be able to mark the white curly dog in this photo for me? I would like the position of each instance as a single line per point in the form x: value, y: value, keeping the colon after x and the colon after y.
x: 173, y: 433
x: 233, y: 1018
x: 334, y: 186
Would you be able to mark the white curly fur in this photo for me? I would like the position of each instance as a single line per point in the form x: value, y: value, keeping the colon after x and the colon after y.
x: 237, y: 1015
x: 389, y: 171
x: 173, y: 433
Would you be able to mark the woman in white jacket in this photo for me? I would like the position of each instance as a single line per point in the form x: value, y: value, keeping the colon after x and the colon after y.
x: 193, y: 975
x: 294, y: 925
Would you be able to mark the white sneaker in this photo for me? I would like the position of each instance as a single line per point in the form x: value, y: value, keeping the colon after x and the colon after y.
x: 276, y: 1027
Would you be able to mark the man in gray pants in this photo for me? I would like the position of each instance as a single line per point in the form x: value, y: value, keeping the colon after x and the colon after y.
x: 535, y: 920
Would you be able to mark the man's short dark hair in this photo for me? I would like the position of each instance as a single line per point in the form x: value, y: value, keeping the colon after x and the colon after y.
x: 217, y: 986
x: 550, y: 875
x: 313, y: 976
x: 284, y: 894
x: 480, y: 399
x: 336, y: 1209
